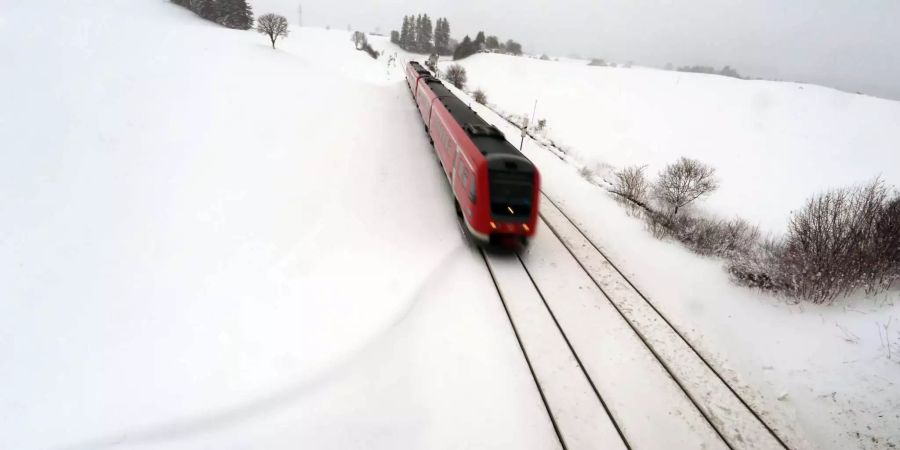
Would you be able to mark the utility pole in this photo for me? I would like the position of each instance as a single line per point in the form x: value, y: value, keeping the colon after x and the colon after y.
x: 299, y: 15
x: 525, y: 128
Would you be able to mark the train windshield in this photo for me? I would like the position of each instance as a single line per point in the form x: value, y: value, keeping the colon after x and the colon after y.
x: 511, y: 194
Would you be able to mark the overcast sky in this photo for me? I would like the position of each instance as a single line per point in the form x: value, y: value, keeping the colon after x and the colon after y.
x: 850, y: 44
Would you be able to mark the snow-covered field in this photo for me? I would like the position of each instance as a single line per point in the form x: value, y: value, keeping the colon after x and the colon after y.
x: 830, y: 368
x: 205, y: 243
x: 773, y: 144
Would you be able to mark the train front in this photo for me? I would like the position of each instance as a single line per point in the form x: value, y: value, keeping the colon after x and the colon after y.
x: 514, y: 191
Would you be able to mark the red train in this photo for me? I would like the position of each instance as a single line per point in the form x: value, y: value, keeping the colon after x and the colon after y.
x: 496, y: 188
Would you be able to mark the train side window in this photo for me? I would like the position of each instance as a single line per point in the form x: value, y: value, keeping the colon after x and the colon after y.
x: 472, y: 188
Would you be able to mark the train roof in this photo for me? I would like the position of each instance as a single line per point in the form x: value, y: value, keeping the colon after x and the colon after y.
x: 418, y: 67
x: 486, y: 137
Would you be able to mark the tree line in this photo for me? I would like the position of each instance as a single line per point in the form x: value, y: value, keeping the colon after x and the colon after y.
x: 419, y: 35
x: 229, y: 13
x: 469, y: 47
x: 727, y: 71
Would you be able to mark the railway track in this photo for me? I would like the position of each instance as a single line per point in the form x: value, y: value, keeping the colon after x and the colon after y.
x: 611, y: 369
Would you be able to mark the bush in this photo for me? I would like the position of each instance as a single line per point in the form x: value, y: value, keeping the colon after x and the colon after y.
x: 759, y: 267
x: 597, y: 62
x: 456, y: 75
x: 681, y: 183
x: 631, y: 184
x: 587, y: 173
x: 371, y: 51
x: 541, y: 125
x: 657, y: 224
x: 834, y: 245
x: 888, y: 236
x: 479, y: 96
x: 714, y: 237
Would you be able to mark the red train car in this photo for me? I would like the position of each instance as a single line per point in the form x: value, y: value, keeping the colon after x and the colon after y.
x: 414, y: 71
x: 496, y: 188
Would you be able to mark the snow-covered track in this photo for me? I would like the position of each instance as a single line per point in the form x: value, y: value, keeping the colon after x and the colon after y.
x: 735, y: 417
x: 576, y: 409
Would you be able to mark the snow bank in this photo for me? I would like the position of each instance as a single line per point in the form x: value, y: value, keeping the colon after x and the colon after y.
x: 205, y: 242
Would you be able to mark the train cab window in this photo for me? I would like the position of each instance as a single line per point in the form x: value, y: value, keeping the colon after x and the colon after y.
x: 511, y: 194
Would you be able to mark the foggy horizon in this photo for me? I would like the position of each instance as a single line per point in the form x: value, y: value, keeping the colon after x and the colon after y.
x: 830, y: 43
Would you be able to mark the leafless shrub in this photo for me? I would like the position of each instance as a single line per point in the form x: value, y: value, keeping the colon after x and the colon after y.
x: 587, y: 173
x: 681, y: 183
x: 456, y: 75
x: 759, y: 267
x: 887, y: 242
x: 272, y: 25
x: 541, y: 125
x: 631, y: 184
x: 657, y: 224
x: 715, y: 237
x: 841, y: 241
x: 479, y: 96
x: 833, y: 246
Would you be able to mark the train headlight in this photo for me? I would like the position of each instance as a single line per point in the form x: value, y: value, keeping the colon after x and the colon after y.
x: 493, y: 225
x: 525, y: 227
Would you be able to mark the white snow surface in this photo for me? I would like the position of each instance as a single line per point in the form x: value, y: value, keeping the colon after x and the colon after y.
x: 773, y: 144
x: 833, y: 370
x: 208, y: 243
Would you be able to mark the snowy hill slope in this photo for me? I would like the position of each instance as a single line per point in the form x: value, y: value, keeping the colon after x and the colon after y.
x: 773, y: 144
x: 208, y: 243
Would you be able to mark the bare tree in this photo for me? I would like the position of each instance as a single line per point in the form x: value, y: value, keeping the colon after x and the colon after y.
x: 631, y: 184
x: 272, y: 25
x: 683, y: 182
x: 456, y: 75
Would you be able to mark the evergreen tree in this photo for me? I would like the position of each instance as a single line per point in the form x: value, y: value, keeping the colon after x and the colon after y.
x: 513, y: 47
x: 417, y: 32
x: 423, y: 38
x: 235, y: 14
x: 442, y: 37
x: 207, y: 9
x: 478, y: 43
x: 405, y: 32
x: 464, y: 49
x: 492, y: 43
